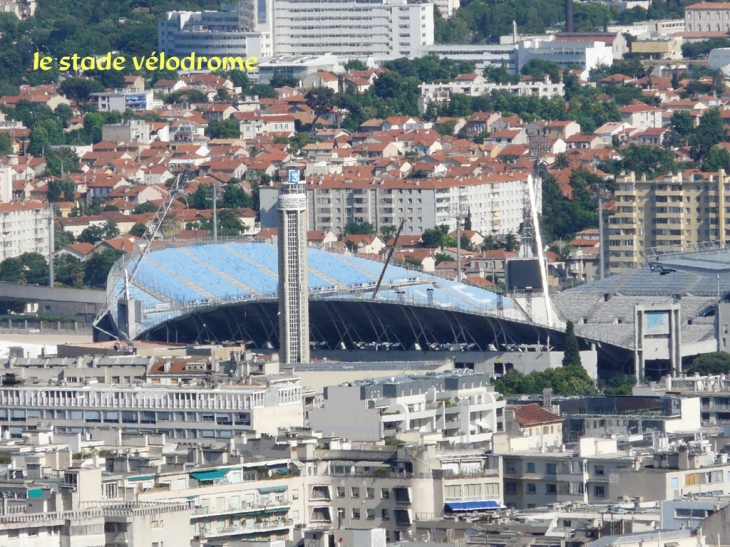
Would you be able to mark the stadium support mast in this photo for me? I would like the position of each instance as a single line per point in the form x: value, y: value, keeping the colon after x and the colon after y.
x: 293, y: 272
x: 538, y: 146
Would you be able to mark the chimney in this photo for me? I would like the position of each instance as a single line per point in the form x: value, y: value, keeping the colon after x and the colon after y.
x: 568, y: 15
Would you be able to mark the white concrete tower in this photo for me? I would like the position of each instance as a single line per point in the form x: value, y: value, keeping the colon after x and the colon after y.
x: 293, y: 272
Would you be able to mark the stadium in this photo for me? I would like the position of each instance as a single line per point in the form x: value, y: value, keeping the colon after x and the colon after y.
x: 228, y: 292
x: 204, y: 293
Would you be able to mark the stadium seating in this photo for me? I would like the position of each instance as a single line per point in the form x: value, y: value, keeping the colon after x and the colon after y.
x: 238, y: 271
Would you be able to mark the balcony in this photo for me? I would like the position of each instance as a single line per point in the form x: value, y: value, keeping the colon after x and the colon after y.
x: 241, y: 530
x: 271, y: 506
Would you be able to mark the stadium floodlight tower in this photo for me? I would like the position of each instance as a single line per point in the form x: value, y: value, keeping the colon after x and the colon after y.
x: 293, y: 272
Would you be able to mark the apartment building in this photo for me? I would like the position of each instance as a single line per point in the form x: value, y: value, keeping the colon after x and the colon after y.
x: 25, y: 229
x: 451, y: 406
x: 181, y: 412
x: 351, y: 29
x: 707, y: 16
x: 272, y: 488
x: 677, y: 210
x: 495, y: 202
x: 536, y: 478
x: 122, y: 100
x: 238, y: 30
x: 475, y: 85
x: 683, y: 470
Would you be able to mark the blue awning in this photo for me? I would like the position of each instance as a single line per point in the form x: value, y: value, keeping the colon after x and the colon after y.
x: 212, y: 475
x: 482, y: 505
x: 35, y: 493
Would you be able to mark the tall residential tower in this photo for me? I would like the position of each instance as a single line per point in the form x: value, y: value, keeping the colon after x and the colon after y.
x: 293, y: 273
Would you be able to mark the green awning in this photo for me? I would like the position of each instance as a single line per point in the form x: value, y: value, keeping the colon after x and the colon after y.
x: 270, y: 489
x: 276, y: 510
x: 212, y: 475
x: 141, y: 478
x: 35, y: 493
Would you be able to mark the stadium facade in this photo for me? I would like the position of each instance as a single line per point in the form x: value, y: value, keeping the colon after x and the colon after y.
x: 200, y: 293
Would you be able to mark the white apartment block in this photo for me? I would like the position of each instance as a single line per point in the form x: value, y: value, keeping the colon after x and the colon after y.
x: 496, y: 202
x: 588, y: 54
x: 232, y: 31
x: 350, y: 29
x: 126, y: 99
x: 447, y: 7
x: 179, y: 412
x: 707, y: 16
x: 25, y: 229
x: 474, y: 85
x: 460, y: 408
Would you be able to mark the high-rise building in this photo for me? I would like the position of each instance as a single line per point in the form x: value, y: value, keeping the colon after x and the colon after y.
x: 674, y: 211
x: 349, y: 29
x: 293, y: 274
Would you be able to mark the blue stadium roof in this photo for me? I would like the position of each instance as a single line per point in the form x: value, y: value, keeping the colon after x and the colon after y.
x: 171, y: 280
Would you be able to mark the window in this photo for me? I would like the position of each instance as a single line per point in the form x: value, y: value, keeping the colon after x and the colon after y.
x: 675, y: 482
x: 370, y: 493
x: 355, y: 492
x: 530, y: 467
x: 599, y: 491
x: 530, y: 488
x: 384, y: 494
x: 510, y: 487
x: 370, y: 514
x: 385, y: 514
x: 598, y: 470
x: 551, y: 489
x: 551, y: 468
x: 356, y: 514
x: 340, y: 491
x: 510, y: 467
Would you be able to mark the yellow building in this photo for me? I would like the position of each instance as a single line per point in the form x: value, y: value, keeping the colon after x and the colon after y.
x: 659, y: 48
x: 675, y: 211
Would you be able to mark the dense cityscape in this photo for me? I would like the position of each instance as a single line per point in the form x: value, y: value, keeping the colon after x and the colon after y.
x: 366, y: 273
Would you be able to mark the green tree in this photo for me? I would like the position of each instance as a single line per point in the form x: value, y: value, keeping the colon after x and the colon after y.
x: 718, y: 158
x: 240, y: 79
x: 235, y: 197
x: 12, y: 270
x: 36, y: 268
x: 710, y: 364
x: 708, y: 133
x: 355, y: 64
x: 146, y: 207
x: 571, y: 351
x: 138, y: 230
x: 69, y: 270
x: 321, y: 101
x: 62, y: 238
x: 201, y: 198
x: 80, y: 89
x: 227, y: 129
x: 539, y: 68
x: 443, y: 257
x: 96, y: 268
x: 359, y: 228
x: 6, y: 144
x: 434, y: 237
x: 61, y: 190
x: 387, y: 231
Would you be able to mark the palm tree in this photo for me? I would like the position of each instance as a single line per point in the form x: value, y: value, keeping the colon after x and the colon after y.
x: 561, y: 161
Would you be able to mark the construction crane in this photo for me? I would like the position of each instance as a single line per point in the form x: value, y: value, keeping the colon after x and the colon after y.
x: 151, y: 234
x: 390, y: 254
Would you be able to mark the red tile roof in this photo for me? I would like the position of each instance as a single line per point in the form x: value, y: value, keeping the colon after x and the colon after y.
x: 534, y: 414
